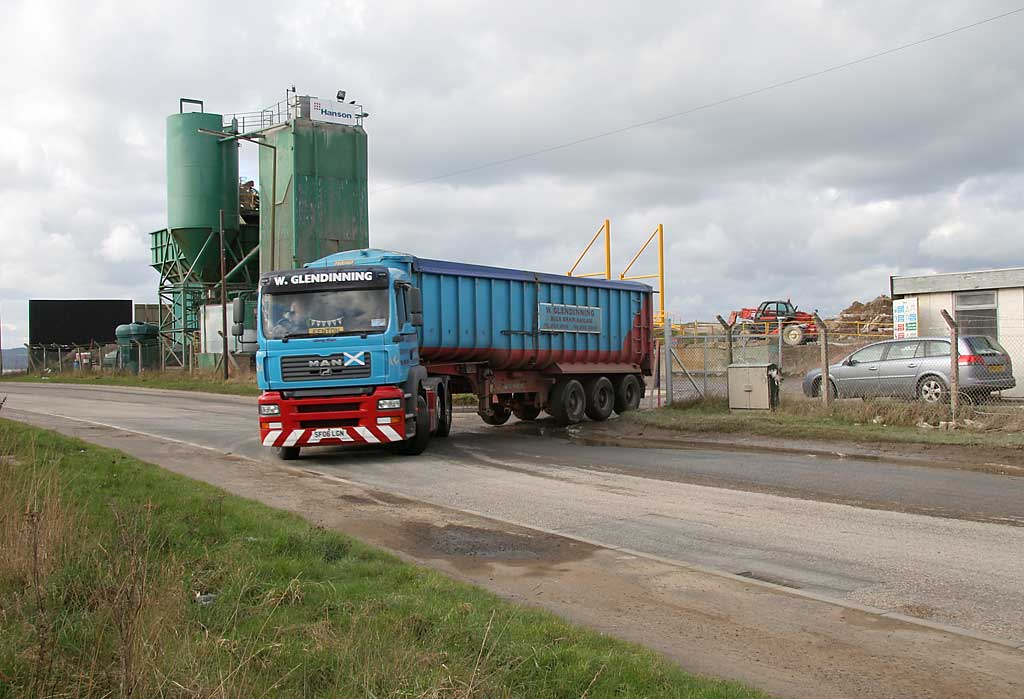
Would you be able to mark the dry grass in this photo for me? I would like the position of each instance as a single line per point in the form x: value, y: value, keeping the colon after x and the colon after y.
x: 882, y: 420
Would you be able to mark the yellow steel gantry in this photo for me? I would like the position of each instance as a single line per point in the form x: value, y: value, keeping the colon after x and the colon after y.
x: 659, y: 232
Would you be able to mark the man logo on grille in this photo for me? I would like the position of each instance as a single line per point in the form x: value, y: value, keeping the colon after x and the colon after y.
x: 320, y: 363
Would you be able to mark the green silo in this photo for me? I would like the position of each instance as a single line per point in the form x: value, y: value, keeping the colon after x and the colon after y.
x: 202, y: 180
x: 322, y: 197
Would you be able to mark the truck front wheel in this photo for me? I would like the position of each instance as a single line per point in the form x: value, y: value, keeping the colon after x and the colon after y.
x: 417, y: 444
x: 288, y: 453
x: 600, y: 398
x: 568, y: 402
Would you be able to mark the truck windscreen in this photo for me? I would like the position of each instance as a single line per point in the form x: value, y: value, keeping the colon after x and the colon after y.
x: 318, y: 313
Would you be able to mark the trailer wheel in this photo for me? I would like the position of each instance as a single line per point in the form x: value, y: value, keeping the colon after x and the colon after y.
x: 527, y: 412
x: 628, y: 393
x: 417, y: 444
x: 444, y: 410
x: 500, y: 415
x: 793, y: 335
x: 288, y: 453
x: 600, y: 398
x: 568, y: 402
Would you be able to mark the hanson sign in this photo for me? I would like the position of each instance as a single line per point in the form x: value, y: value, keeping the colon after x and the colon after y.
x: 333, y: 112
x: 563, y: 318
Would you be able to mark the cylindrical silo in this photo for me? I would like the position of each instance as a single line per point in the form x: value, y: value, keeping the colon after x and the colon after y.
x: 202, y: 179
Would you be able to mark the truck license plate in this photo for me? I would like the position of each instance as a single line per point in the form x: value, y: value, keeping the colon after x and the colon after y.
x: 330, y: 433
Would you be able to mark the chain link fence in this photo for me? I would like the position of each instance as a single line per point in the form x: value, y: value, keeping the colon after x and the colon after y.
x: 94, y: 358
x: 930, y: 374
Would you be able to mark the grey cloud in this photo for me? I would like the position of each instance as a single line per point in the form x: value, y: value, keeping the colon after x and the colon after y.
x: 818, y: 190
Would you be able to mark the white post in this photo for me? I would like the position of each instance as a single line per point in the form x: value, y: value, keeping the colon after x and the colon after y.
x: 668, y: 361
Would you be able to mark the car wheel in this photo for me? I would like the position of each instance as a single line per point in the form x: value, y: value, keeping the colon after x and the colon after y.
x: 833, y: 391
x: 931, y: 390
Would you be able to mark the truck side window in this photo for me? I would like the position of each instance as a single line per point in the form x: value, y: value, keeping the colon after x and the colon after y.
x: 402, y: 306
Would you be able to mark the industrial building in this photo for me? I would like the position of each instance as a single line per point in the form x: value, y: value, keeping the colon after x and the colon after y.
x: 989, y: 302
x: 311, y: 201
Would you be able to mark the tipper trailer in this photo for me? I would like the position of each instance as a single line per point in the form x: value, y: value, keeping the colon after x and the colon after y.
x: 369, y: 346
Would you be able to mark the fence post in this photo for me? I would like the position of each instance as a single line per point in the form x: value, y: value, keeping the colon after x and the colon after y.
x: 728, y: 338
x: 826, y: 384
x: 705, y: 366
x: 780, y: 344
x: 954, y: 365
x: 139, y: 343
x: 668, y: 361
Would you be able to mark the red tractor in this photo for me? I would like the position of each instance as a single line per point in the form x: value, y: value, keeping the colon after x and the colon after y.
x: 797, y: 326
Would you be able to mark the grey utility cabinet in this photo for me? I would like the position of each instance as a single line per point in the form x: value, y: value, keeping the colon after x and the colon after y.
x: 753, y: 386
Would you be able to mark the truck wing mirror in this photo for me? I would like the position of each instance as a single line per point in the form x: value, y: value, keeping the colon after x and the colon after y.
x: 237, y: 311
x: 237, y: 329
x: 415, y: 302
x: 416, y: 319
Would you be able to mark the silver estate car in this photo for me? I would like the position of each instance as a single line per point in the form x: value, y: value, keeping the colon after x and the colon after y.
x: 917, y: 368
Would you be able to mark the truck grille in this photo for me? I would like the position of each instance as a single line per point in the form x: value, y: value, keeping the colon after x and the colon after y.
x: 353, y: 365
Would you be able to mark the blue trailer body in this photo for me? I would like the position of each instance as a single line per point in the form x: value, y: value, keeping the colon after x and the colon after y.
x: 510, y: 336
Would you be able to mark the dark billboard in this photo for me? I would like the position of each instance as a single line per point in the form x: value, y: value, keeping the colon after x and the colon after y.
x: 75, y: 322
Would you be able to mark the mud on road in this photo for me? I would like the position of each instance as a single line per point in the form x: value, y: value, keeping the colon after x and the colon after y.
x: 721, y: 625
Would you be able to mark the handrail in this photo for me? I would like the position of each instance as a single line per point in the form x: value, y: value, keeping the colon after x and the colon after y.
x: 607, y: 274
x: 659, y: 318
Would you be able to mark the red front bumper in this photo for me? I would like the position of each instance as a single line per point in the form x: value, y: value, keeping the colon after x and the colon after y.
x: 332, y: 421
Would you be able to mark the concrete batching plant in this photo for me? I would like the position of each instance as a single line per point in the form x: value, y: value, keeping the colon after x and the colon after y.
x: 311, y: 202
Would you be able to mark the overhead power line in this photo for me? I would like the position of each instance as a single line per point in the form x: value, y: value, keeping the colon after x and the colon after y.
x: 699, y: 108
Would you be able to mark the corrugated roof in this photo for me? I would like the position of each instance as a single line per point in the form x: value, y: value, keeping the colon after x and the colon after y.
x: 958, y: 281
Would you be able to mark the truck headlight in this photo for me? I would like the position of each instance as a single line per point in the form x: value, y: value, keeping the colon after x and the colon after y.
x: 389, y: 404
x: 270, y: 409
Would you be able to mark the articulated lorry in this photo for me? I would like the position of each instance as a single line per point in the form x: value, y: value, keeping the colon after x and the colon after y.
x: 369, y: 346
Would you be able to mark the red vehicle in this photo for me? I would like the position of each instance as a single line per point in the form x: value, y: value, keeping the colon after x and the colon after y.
x: 797, y: 326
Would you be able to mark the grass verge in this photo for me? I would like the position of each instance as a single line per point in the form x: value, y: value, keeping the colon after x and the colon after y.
x: 179, y: 381
x: 858, y: 421
x: 120, y: 579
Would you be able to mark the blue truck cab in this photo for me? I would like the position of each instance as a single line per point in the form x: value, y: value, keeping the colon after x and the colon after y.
x: 338, y: 346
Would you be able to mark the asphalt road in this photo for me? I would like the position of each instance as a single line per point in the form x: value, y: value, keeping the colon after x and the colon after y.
x: 779, y: 518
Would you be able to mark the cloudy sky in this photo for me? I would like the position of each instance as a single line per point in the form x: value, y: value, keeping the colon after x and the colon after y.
x: 819, y: 190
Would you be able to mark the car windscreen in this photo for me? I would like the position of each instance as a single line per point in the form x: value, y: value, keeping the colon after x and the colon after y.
x: 319, y: 313
x: 984, y: 345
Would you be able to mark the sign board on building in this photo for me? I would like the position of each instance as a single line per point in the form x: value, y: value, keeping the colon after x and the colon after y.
x: 904, y: 318
x: 333, y: 112
x: 563, y: 318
